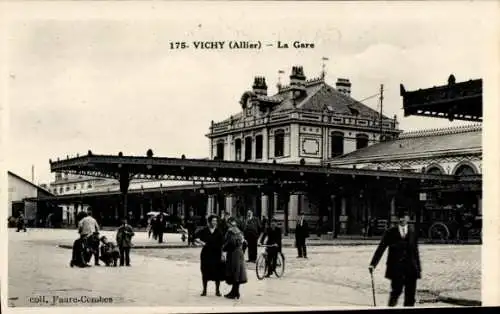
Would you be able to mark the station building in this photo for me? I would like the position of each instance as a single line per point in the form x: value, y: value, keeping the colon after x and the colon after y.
x: 308, y: 121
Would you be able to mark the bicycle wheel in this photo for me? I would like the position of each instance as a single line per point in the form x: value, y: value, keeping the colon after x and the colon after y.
x: 260, y: 267
x: 280, y: 265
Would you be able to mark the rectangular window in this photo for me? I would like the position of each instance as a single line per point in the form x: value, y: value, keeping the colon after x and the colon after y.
x: 279, y: 143
x: 248, y: 148
x: 237, y: 149
x: 258, y: 147
x: 220, y: 151
x: 337, y: 144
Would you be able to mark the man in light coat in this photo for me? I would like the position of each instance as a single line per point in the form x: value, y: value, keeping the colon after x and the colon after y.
x: 89, y: 232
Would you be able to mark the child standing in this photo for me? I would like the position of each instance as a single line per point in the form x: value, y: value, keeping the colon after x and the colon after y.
x: 124, y: 240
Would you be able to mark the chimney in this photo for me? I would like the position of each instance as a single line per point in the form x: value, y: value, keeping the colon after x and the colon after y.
x: 297, y: 78
x: 344, y: 86
x: 260, y: 86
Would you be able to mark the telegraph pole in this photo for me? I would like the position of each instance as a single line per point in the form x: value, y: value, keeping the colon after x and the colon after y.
x: 381, y: 109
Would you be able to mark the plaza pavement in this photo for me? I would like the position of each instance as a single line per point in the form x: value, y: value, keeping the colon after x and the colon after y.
x: 332, y: 276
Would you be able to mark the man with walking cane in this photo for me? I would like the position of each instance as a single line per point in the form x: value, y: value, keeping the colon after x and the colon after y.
x: 403, y: 261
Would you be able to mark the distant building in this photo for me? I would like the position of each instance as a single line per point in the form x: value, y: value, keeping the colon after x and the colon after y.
x: 454, y: 151
x: 19, y: 190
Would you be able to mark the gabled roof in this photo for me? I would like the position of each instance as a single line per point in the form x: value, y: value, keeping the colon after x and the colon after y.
x: 319, y: 97
x: 419, y: 144
x: 29, y: 182
x: 323, y: 97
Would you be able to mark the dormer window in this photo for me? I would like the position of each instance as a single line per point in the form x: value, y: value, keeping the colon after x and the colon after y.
x: 354, y: 111
x: 249, y: 106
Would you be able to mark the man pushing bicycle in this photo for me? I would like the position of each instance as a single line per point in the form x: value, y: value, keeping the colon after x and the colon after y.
x: 272, y: 238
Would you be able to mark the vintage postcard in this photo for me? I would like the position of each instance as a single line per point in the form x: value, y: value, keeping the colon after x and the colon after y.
x: 229, y: 156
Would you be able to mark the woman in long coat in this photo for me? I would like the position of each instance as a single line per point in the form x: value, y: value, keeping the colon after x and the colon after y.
x: 212, y: 265
x: 236, y: 273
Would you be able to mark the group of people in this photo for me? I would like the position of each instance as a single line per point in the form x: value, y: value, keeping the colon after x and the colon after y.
x: 91, y: 244
x: 225, y: 241
x: 156, y: 227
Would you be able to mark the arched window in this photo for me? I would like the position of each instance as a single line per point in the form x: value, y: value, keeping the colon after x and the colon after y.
x: 237, y: 149
x: 279, y: 143
x: 361, y: 141
x: 434, y: 170
x: 464, y: 170
x: 337, y: 144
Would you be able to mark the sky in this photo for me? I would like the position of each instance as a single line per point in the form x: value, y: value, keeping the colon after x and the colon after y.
x: 103, y: 77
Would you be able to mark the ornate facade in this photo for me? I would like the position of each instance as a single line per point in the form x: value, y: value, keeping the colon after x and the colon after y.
x: 308, y: 121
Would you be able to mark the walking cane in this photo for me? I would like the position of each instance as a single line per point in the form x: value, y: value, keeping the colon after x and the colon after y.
x: 373, y: 289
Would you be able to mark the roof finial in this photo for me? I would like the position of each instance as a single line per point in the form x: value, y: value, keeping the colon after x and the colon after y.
x: 279, y: 86
x: 323, y: 68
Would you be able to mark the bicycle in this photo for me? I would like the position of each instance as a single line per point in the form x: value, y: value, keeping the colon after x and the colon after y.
x: 261, y: 264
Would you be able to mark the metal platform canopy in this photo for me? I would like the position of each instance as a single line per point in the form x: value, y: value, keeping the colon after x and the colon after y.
x: 455, y: 101
x: 270, y: 175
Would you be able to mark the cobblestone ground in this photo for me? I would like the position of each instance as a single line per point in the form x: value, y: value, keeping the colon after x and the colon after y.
x: 332, y: 276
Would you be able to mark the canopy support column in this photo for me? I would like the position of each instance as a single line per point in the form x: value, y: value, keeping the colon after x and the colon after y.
x: 124, y: 184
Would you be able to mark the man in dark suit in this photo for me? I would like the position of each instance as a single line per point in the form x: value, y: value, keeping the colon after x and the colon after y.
x: 272, y: 238
x: 251, y: 231
x: 301, y: 234
x: 403, y: 261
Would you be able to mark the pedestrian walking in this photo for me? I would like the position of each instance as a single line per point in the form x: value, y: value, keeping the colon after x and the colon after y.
x: 154, y: 226
x: 403, y: 261
x: 190, y: 226
x: 211, y: 258
x: 124, y: 241
x: 149, y: 228
x: 235, y: 272
x: 161, y: 227
x: 301, y: 234
x: 251, y: 233
x: 223, y: 226
x: 21, y: 224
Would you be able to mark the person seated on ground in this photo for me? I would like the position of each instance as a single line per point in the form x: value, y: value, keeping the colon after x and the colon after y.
x: 81, y: 253
x: 109, y: 252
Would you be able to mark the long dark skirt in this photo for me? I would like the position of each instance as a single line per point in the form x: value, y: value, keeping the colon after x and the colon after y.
x: 236, y: 271
x: 81, y: 254
x: 212, y: 266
